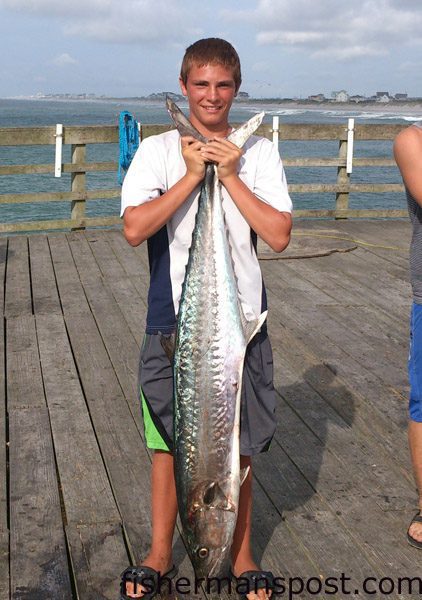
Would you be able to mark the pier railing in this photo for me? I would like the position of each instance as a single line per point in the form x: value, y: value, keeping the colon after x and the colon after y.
x: 79, y: 194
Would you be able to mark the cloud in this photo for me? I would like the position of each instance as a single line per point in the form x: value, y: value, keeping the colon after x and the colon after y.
x: 61, y: 9
x: 129, y: 21
x: 332, y: 29
x: 62, y: 60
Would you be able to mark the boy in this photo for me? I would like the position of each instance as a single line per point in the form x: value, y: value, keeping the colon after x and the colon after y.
x: 159, y: 203
x: 408, y: 155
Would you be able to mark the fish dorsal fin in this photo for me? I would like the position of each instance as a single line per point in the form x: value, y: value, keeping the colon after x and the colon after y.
x: 251, y: 328
x: 183, y: 125
x: 243, y: 133
x: 168, y: 342
x: 214, y: 497
x: 243, y: 474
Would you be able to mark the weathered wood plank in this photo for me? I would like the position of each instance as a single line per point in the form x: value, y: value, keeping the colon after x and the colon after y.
x: 340, y: 457
x: 121, y: 445
x: 72, y: 196
x: 131, y: 260
x: 52, y: 224
x: 373, y: 285
x: 18, y: 299
x: 72, y: 295
x: 306, y: 514
x: 91, y: 134
x: 75, y: 302
x: 24, y: 379
x: 4, y: 532
x: 3, y: 261
x: 317, y: 338
x: 389, y: 241
x: 331, y: 277
x: 351, y: 213
x: 3, y: 435
x: 338, y: 389
x: 66, y: 168
x: 351, y: 442
x: 98, y: 556
x: 44, y: 289
x: 346, y: 491
x: 4, y: 566
x: 38, y: 560
x: 342, y: 188
x: 124, y: 292
x: 86, y: 490
x: 361, y: 379
x: 119, y: 341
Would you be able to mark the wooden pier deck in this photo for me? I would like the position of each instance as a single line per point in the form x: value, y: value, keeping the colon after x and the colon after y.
x: 333, y: 496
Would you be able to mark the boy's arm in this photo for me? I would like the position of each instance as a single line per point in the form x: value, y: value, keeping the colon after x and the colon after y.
x: 269, y: 224
x: 408, y: 156
x: 141, y: 222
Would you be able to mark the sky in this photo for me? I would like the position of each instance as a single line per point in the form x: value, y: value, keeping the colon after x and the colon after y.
x: 288, y: 48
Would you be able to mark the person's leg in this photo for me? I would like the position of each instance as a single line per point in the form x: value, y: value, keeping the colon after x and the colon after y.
x: 415, y: 443
x: 242, y: 559
x: 415, y: 407
x: 241, y: 550
x: 164, y: 514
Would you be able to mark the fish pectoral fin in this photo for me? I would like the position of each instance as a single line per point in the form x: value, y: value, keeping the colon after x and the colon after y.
x: 243, y: 474
x: 251, y: 328
x: 168, y: 342
x: 214, y: 497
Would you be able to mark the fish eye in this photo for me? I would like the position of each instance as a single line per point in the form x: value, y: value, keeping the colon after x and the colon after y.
x: 202, y: 552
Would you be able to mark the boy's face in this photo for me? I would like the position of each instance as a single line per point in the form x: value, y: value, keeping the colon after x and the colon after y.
x: 210, y: 90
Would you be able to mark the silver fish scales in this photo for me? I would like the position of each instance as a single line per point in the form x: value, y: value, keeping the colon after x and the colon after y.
x: 211, y: 339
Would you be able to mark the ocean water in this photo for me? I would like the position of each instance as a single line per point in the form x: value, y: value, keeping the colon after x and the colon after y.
x: 33, y: 113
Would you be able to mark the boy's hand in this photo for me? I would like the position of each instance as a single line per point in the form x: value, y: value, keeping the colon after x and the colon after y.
x: 195, y: 162
x: 225, y: 155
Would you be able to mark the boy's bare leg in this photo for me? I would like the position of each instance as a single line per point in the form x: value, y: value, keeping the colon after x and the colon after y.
x: 415, y: 443
x: 242, y: 559
x: 164, y: 514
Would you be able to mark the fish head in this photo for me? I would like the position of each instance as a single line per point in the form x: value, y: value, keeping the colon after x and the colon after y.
x: 212, y: 520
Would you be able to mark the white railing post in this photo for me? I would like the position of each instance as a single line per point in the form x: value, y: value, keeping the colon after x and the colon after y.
x: 350, y: 139
x: 276, y: 131
x: 59, y: 147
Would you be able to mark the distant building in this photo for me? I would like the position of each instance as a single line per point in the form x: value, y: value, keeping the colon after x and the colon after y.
x: 383, y: 99
x: 162, y: 96
x: 401, y: 96
x: 317, y: 98
x: 243, y: 95
x: 357, y: 98
x: 341, y: 96
x: 382, y: 94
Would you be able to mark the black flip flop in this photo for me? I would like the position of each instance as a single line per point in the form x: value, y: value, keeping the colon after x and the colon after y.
x: 412, y: 541
x: 147, y: 577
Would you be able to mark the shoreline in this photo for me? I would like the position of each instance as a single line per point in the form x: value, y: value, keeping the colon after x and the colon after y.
x: 412, y: 107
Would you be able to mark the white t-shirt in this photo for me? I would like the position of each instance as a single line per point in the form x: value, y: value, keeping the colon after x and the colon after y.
x: 157, y: 165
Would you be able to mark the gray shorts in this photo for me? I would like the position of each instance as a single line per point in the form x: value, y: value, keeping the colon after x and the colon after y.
x: 257, y: 413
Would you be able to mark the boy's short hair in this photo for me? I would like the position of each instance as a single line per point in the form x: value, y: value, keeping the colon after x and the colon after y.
x: 211, y: 51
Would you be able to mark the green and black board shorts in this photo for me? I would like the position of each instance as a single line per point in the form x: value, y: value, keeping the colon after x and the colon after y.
x: 257, y: 413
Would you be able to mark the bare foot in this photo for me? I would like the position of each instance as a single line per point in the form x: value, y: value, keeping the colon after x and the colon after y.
x: 415, y: 530
x: 247, y: 564
x: 161, y: 564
